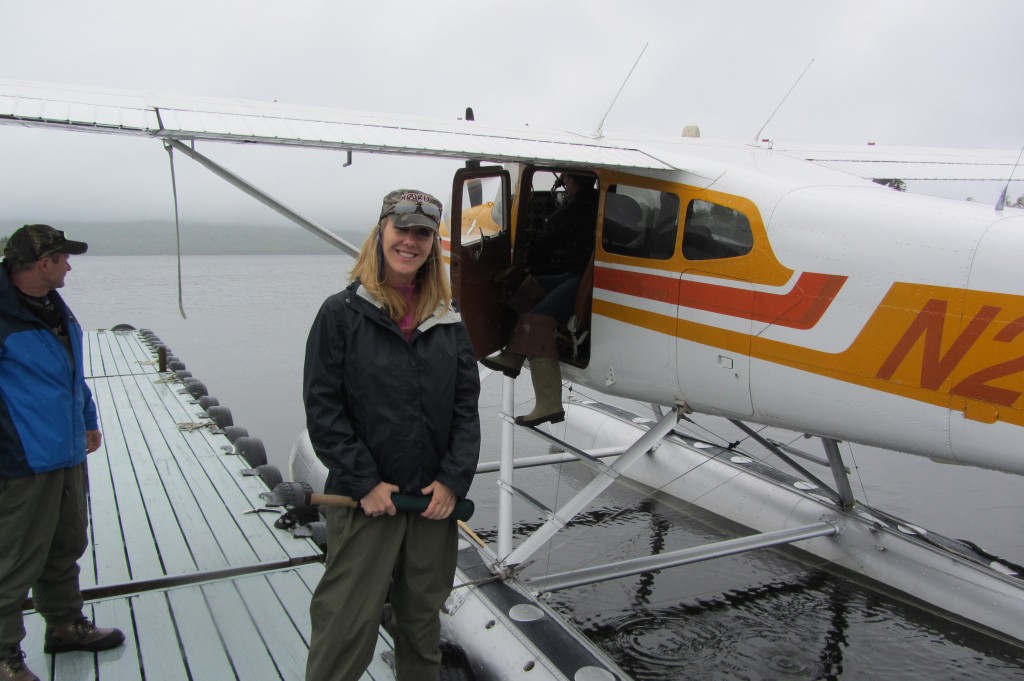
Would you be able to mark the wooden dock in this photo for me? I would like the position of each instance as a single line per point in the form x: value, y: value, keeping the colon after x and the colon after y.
x: 181, y: 558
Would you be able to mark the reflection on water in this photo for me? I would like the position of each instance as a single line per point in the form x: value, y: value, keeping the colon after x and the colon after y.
x: 771, y: 615
x: 774, y: 614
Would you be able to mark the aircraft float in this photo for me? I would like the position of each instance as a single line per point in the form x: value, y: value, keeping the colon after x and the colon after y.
x: 757, y: 282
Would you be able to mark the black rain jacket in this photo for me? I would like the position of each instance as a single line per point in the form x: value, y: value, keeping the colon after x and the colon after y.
x: 380, y: 408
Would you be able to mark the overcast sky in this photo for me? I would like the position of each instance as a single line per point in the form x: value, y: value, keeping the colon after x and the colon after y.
x: 900, y: 72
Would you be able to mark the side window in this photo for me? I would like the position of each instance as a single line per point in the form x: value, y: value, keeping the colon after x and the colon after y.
x: 713, y: 231
x: 640, y: 222
x: 481, y: 219
x: 557, y: 220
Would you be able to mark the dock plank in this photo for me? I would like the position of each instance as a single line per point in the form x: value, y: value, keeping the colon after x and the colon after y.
x: 125, y: 661
x: 197, y: 509
x: 90, y: 356
x: 286, y: 645
x: 201, y: 643
x: 111, y: 366
x: 107, y: 544
x: 115, y: 459
x: 166, y: 535
x: 157, y: 636
x: 248, y: 651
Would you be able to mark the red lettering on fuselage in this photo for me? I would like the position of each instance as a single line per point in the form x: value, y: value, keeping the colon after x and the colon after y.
x: 937, y: 367
x: 976, y: 385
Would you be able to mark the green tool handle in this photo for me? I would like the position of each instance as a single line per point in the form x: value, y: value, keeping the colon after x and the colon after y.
x: 403, y: 502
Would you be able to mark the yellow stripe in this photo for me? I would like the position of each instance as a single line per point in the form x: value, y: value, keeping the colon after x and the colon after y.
x: 945, y: 353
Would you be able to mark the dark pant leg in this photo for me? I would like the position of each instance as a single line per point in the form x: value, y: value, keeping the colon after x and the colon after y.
x: 423, y: 581
x: 29, y: 513
x: 57, y: 594
x: 560, y: 302
x: 348, y: 602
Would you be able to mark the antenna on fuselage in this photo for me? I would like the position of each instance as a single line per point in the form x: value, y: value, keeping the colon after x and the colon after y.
x: 1001, y: 201
x: 757, y: 137
x: 599, y: 133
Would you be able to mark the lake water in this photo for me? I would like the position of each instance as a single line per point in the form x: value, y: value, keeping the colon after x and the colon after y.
x: 773, y: 614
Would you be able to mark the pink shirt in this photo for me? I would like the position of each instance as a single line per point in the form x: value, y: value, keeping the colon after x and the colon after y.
x: 408, y: 323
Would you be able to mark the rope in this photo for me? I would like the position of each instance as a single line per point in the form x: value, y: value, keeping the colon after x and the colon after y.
x: 197, y: 425
x: 177, y: 226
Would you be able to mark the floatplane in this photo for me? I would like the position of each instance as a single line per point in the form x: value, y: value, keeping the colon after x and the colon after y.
x: 759, y: 283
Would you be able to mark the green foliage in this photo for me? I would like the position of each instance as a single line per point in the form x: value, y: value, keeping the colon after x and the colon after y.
x: 894, y: 183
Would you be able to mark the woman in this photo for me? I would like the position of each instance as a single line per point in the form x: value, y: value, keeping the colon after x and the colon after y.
x: 391, y: 388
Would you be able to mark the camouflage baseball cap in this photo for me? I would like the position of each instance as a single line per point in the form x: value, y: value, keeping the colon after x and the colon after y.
x: 410, y: 208
x: 32, y: 242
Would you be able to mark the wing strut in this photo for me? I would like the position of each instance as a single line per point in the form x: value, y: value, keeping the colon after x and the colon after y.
x: 636, y: 566
x: 261, y: 196
x: 585, y: 496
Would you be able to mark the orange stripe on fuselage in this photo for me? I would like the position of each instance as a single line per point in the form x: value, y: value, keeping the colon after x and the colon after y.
x: 800, y: 308
x: 955, y: 349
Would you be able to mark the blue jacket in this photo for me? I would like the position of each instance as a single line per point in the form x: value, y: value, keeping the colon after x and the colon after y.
x: 45, y: 405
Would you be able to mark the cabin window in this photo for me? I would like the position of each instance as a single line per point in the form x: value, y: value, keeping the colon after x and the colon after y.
x: 481, y: 219
x: 556, y: 230
x: 714, y: 231
x: 640, y: 222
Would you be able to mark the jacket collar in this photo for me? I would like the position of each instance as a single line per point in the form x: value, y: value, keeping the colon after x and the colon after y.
x: 10, y: 302
x: 440, y: 316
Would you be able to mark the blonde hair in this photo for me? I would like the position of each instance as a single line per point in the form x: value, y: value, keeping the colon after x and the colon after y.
x: 432, y: 285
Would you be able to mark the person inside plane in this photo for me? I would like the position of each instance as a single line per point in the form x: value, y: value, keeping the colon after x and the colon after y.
x: 391, y: 389
x: 546, y: 298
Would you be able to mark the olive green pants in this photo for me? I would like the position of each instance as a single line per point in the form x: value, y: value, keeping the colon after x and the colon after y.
x: 364, y: 555
x: 43, y: 533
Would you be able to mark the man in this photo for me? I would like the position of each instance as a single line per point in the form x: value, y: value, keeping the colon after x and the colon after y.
x: 48, y: 424
x: 546, y: 299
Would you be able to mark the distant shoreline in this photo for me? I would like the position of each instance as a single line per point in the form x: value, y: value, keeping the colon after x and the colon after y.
x: 159, y: 238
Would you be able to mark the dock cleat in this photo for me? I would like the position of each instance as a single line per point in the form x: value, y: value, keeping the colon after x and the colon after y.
x: 81, y: 634
x: 12, y: 665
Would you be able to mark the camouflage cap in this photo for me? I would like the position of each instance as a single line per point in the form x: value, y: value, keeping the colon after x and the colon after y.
x: 410, y: 207
x: 33, y: 242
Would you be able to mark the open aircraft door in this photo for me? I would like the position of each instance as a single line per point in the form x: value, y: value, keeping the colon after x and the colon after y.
x: 481, y: 248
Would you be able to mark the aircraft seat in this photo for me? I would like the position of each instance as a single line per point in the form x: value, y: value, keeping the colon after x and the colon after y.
x: 623, y: 223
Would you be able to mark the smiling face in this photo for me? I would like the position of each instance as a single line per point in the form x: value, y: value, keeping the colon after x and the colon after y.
x: 405, y: 250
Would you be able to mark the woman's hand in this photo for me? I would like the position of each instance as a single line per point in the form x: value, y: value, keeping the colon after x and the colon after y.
x: 442, y: 501
x: 378, y: 501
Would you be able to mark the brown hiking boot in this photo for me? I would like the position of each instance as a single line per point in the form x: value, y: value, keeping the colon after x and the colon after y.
x: 12, y: 665
x: 81, y: 634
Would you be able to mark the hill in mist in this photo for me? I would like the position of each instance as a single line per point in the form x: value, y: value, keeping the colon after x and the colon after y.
x: 158, y: 238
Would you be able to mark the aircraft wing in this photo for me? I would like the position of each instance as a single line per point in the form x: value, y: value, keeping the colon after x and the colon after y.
x: 909, y: 163
x: 233, y: 120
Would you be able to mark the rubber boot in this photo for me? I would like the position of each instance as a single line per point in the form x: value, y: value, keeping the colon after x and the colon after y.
x: 534, y: 336
x: 546, y: 373
x: 508, y: 363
